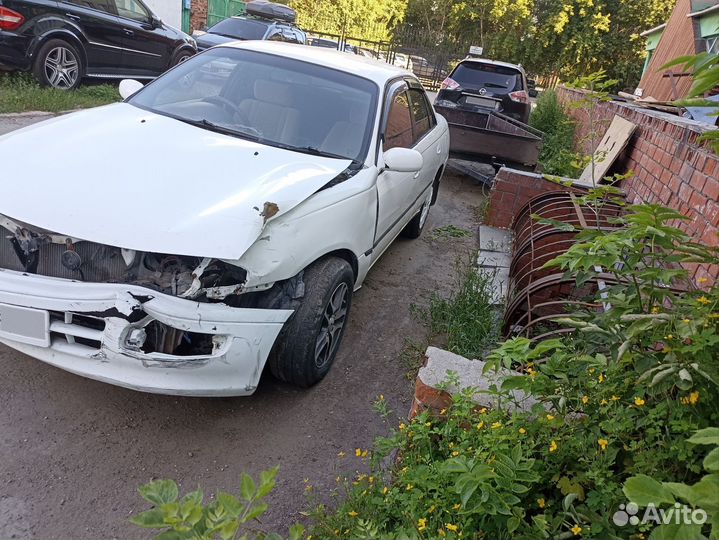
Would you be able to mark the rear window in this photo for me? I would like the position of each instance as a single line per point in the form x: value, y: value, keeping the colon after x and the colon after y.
x: 240, y: 28
x: 497, y: 79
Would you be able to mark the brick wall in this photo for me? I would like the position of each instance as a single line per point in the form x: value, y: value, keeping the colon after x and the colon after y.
x: 198, y: 15
x: 512, y: 189
x: 670, y: 166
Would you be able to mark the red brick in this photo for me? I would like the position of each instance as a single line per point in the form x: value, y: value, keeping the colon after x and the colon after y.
x: 711, y: 189
x: 697, y: 181
x: 711, y: 167
x: 697, y: 201
x: 685, y: 192
x: 710, y: 237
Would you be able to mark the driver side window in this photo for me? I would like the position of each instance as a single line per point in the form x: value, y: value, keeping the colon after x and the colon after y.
x: 130, y: 9
x: 398, y: 132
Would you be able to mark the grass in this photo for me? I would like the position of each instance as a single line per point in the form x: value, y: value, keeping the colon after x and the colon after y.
x: 19, y: 92
x: 466, y: 321
x: 450, y: 231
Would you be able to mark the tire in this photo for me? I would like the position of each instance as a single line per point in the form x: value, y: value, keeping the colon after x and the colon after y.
x: 298, y: 356
x: 180, y: 56
x: 58, y: 64
x: 414, y: 227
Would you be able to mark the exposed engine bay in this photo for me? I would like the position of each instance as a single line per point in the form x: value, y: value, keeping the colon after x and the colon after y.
x: 24, y: 248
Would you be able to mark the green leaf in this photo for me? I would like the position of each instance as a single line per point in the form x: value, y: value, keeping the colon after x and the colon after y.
x: 643, y: 490
x: 297, y: 531
x: 705, y: 436
x: 150, y: 519
x: 680, y: 491
x: 512, y: 524
x: 677, y: 532
x: 228, y: 529
x: 711, y: 462
x: 159, y: 492
x: 705, y: 494
x: 247, y: 487
x: 230, y: 504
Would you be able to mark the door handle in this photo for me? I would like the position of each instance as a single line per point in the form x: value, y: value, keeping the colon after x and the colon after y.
x: 439, y: 149
x: 128, y: 32
x: 416, y: 175
x: 72, y: 17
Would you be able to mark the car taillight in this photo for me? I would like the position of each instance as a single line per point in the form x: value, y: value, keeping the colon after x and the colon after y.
x: 520, y: 96
x: 9, y: 19
x: 449, y: 84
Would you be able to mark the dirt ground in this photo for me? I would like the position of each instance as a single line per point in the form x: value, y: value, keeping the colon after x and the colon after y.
x: 73, y: 451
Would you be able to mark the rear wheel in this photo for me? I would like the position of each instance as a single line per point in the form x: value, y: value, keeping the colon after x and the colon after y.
x: 58, y: 64
x: 180, y: 57
x: 414, y: 227
x: 309, y: 341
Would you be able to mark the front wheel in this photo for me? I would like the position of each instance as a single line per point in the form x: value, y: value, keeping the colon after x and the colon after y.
x: 59, y: 65
x: 180, y: 57
x: 309, y: 341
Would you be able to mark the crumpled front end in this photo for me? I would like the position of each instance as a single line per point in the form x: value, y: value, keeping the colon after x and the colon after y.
x: 151, y: 322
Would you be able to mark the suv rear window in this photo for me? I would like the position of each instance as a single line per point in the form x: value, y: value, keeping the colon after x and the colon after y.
x: 498, y: 79
x: 240, y: 28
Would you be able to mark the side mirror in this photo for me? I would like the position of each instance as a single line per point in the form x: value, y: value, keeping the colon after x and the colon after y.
x: 403, y: 160
x: 155, y: 21
x: 129, y: 87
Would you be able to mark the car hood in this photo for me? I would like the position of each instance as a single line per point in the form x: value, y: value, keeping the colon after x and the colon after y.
x: 125, y: 177
x: 205, y: 41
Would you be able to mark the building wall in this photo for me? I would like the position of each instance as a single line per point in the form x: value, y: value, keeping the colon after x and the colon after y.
x: 170, y: 11
x: 198, y: 15
x: 670, y: 166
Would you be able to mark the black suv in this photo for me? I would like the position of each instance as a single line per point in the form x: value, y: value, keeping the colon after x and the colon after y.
x: 263, y: 20
x: 487, y: 84
x: 63, y: 41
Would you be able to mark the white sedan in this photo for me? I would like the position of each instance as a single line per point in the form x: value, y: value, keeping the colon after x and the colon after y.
x: 218, y: 219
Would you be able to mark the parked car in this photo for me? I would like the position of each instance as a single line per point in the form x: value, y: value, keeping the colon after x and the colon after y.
x: 423, y: 68
x: 313, y: 162
x: 257, y: 24
x: 476, y: 83
x: 62, y: 42
x: 403, y: 61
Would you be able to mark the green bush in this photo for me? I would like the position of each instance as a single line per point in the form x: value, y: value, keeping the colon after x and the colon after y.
x: 618, y: 398
x: 557, y: 156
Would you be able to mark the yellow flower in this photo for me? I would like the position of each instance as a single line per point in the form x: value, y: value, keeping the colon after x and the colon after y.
x: 455, y: 453
x: 591, y: 370
x: 533, y: 374
x: 483, y: 410
x: 694, y: 398
x: 604, y: 402
x: 480, y: 425
x: 702, y: 280
x: 451, y: 527
x: 431, y: 509
x: 402, y: 426
x: 686, y: 321
x: 638, y: 401
x: 371, y: 479
x: 601, y: 378
x: 421, y: 524
x: 655, y: 309
x: 577, y: 530
x: 358, y: 452
x: 522, y: 430
x: 669, y: 337
x: 585, y: 399
x: 443, y: 411
x: 385, y: 490
x: 428, y: 424
x: 381, y: 397
x: 553, y: 446
x: 364, y: 453
x: 352, y: 514
x: 442, y: 533
x: 615, y: 398
x: 409, y: 487
x: 457, y: 506
x: 603, y: 443
x: 541, y: 503
x: 341, y: 454
x: 703, y: 300
x: 451, y: 445
x: 496, y: 425
x: 550, y: 417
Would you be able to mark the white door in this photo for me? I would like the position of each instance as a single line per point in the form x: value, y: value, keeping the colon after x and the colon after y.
x: 395, y: 190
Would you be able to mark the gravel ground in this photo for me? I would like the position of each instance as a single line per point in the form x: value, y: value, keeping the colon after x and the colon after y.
x: 73, y: 451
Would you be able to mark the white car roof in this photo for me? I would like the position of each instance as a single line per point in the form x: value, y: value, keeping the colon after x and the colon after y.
x: 369, y: 68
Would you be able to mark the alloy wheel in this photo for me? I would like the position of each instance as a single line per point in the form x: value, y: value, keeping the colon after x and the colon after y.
x: 333, y: 321
x: 62, y: 68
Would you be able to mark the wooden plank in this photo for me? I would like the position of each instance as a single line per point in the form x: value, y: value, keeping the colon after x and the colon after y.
x: 612, y: 144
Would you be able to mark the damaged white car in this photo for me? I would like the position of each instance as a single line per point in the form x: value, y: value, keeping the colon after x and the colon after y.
x: 218, y: 219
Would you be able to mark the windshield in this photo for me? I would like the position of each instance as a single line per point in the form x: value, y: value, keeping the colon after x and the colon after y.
x: 497, y: 79
x: 240, y: 28
x: 270, y: 99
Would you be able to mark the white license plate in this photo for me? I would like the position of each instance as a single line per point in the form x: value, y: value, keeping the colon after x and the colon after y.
x: 481, y: 102
x: 26, y: 325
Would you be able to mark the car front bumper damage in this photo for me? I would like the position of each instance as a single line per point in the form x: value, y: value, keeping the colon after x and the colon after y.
x: 99, y: 331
